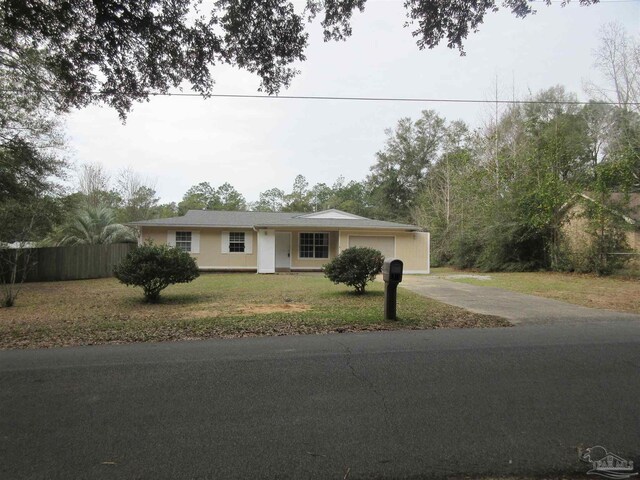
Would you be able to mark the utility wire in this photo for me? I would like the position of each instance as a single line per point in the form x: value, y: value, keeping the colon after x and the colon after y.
x: 342, y: 98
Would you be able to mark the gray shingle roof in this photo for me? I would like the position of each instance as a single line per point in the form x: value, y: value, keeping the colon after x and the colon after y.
x: 214, y: 218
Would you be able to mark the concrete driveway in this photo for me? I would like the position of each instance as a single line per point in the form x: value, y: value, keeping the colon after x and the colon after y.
x: 518, y: 308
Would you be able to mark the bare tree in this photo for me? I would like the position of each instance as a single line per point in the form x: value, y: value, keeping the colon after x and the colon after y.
x: 599, y: 120
x: 618, y: 61
x: 128, y: 183
x: 93, y: 181
x: 137, y: 195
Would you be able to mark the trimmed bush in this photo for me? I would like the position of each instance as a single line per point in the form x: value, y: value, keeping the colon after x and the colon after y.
x: 154, y: 268
x: 355, y: 266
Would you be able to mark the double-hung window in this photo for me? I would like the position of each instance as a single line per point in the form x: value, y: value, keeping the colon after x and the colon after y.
x: 314, y: 245
x: 183, y: 241
x: 236, y: 242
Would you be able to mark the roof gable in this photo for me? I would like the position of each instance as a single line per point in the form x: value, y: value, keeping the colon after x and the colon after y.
x: 630, y: 201
x: 333, y: 214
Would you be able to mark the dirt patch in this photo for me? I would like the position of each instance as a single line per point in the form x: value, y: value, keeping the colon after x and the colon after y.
x: 273, y: 308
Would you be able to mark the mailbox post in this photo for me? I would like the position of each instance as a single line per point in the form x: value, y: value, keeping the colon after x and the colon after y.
x: 392, y: 276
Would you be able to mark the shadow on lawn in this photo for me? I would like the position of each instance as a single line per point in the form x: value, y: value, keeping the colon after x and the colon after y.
x: 354, y: 294
x: 173, y: 299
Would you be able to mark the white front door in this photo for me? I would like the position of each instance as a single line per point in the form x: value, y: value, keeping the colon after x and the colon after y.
x: 283, y: 250
x: 266, y: 247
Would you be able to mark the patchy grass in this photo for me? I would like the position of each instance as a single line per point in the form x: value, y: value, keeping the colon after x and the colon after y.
x: 214, y: 305
x: 630, y: 272
x: 613, y: 293
x: 444, y: 270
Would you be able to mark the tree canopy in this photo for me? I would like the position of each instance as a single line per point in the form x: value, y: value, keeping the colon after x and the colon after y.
x: 204, y: 197
x: 30, y: 160
x: 121, y: 51
x: 401, y: 168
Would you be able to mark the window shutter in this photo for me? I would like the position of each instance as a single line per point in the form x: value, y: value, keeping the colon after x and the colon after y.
x: 224, y: 240
x: 248, y: 242
x: 195, y: 242
x: 171, y: 238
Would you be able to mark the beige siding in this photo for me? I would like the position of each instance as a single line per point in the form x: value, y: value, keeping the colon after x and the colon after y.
x: 156, y: 235
x: 633, y: 239
x: 577, y: 238
x: 575, y: 230
x: 211, y: 255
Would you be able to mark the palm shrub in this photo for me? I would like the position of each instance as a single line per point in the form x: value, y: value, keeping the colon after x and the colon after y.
x: 95, y: 226
x: 154, y: 268
x: 355, y: 267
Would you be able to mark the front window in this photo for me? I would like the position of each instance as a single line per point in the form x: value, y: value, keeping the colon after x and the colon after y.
x: 183, y: 241
x: 236, y: 242
x: 314, y: 245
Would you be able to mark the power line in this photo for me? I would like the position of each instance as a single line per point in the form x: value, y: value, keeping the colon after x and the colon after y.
x: 343, y: 98
x: 393, y: 99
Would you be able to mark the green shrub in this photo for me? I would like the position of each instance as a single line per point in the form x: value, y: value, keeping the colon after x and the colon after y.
x: 355, y: 266
x: 155, y: 267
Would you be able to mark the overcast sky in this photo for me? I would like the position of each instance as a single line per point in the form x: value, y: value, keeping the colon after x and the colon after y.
x: 257, y: 144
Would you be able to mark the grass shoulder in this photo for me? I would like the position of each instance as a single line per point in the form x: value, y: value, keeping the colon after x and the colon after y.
x: 620, y: 293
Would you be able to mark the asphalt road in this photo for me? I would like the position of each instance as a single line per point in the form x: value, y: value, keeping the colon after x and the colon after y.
x: 417, y: 404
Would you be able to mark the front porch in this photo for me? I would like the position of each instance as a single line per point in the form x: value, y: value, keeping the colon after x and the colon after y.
x: 295, y: 250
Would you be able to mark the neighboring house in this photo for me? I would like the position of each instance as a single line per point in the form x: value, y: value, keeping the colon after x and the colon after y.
x: 267, y: 242
x: 15, y: 245
x: 575, y: 225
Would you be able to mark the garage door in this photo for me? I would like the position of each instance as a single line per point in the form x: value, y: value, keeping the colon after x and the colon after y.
x: 387, y: 245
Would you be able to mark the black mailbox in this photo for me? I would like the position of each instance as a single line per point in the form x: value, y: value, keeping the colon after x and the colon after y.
x: 392, y: 270
x: 392, y: 276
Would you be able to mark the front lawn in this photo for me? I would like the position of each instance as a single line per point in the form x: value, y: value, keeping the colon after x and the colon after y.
x: 614, y: 293
x: 214, y: 305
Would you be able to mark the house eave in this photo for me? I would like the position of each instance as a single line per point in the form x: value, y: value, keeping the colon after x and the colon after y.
x: 186, y: 225
x: 289, y: 227
x: 344, y: 227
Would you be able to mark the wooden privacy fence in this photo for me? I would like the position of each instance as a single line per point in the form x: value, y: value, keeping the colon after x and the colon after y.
x: 76, y: 262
